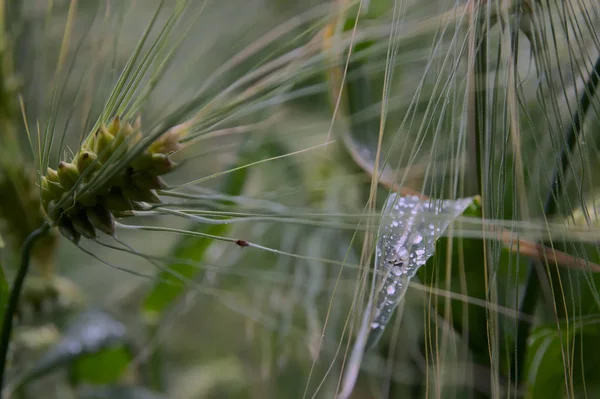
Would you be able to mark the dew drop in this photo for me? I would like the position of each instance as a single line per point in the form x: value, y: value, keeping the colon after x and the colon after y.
x: 402, y: 252
x: 391, y: 290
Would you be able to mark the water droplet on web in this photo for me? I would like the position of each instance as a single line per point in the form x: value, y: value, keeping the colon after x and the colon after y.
x: 401, y: 252
x: 406, y: 240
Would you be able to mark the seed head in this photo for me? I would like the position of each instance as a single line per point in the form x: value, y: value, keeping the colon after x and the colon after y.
x: 168, y: 142
x: 80, y: 206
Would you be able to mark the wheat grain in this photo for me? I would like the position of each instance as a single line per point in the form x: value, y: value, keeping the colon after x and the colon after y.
x: 74, y: 200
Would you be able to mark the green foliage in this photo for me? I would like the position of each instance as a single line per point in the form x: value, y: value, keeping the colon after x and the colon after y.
x: 104, y: 367
x: 563, y: 362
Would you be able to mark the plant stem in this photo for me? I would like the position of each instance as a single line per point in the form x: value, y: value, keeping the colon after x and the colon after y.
x: 532, y: 282
x: 15, y: 294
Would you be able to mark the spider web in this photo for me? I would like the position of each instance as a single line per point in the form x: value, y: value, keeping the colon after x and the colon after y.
x: 409, y: 228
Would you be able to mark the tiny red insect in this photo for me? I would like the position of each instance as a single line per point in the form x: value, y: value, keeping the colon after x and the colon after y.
x: 242, y: 243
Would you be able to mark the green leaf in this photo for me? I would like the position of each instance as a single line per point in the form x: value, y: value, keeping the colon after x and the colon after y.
x: 118, y: 392
x: 544, y: 365
x: 1, y: 241
x: 555, y: 356
x: 104, y: 367
x: 91, y: 332
x: 169, y: 285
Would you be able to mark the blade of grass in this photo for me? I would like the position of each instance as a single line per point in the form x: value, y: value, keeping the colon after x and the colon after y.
x: 15, y: 295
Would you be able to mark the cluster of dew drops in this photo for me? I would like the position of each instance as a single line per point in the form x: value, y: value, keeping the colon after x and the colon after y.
x: 406, y: 241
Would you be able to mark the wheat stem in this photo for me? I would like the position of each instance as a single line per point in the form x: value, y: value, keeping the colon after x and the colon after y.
x: 15, y: 294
